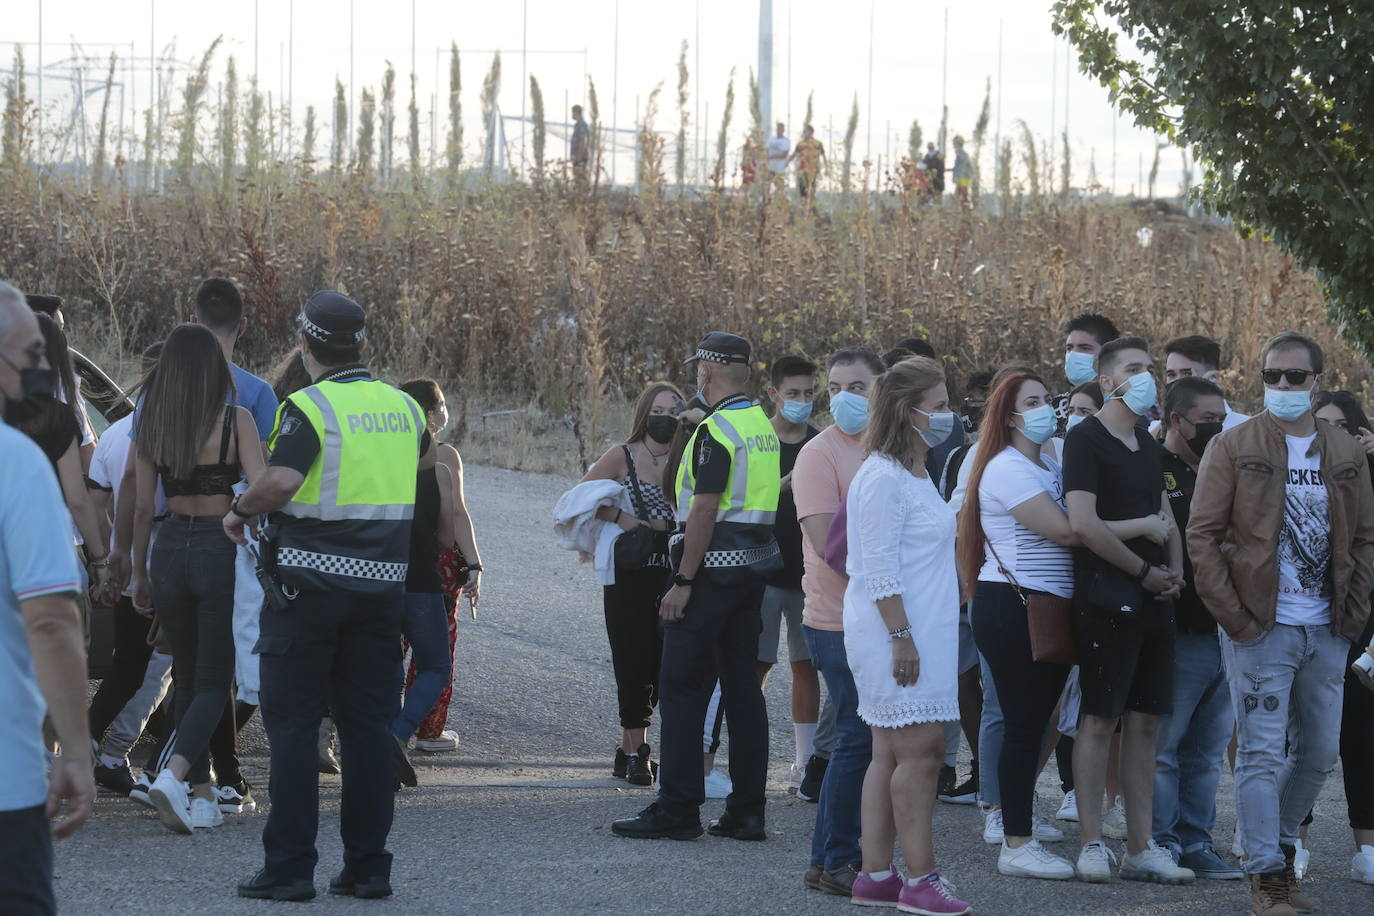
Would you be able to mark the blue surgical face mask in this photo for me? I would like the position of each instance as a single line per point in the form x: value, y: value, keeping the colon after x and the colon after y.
x: 850, y: 412
x: 795, y: 411
x: 1080, y: 367
x: 1287, y: 405
x: 1074, y: 421
x: 1038, y: 423
x: 1141, y: 394
x: 941, y: 425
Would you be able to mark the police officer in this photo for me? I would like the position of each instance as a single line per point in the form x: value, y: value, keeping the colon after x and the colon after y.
x: 340, y: 488
x: 727, y: 496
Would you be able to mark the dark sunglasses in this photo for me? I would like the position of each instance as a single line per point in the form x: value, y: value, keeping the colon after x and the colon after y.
x: 1294, y: 376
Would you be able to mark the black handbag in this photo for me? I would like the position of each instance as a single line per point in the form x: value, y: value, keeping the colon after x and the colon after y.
x: 634, y: 549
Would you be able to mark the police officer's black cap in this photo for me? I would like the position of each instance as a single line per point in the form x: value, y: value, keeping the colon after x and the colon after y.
x: 48, y: 305
x: 332, y: 318
x: 722, y: 347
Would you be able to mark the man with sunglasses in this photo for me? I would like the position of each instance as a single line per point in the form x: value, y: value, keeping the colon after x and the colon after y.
x: 1282, y: 543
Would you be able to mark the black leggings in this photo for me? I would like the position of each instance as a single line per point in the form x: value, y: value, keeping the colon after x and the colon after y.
x: 1357, y: 741
x: 636, y: 641
x: 1028, y: 691
x: 127, y: 668
x: 193, y: 594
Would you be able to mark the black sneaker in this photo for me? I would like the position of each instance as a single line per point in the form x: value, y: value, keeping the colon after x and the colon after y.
x: 949, y: 778
x: 621, y: 765
x: 654, y: 823
x: 640, y: 771
x: 966, y: 793
x: 345, y: 885
x: 236, y: 797
x: 749, y: 827
x: 119, y: 780
x: 810, y: 789
x: 263, y: 886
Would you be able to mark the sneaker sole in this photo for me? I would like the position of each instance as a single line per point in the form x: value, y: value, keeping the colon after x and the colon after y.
x: 680, y: 833
x: 167, y: 813
x: 1219, y: 875
x: 1068, y: 819
x: 1152, y: 877
x: 1011, y: 871
x: 278, y: 893
x: 747, y: 836
x: 992, y: 840
x: 1093, y: 878
x: 868, y: 901
x: 959, y: 799
x: 142, y: 799
x: 905, y: 908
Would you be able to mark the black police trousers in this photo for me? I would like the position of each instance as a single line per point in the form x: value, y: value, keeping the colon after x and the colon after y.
x: 330, y: 653
x: 718, y: 636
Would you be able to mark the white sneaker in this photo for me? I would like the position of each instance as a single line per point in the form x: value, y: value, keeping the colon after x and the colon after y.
x: 1031, y: 860
x: 447, y: 741
x: 1114, y: 822
x: 205, y: 813
x: 795, y: 774
x: 169, y: 796
x: 1044, y: 831
x: 1362, y: 866
x: 718, y: 785
x: 1095, y: 863
x: 992, y: 827
x: 139, y: 792
x: 1068, y: 808
x: 1302, y: 860
x: 1156, y: 865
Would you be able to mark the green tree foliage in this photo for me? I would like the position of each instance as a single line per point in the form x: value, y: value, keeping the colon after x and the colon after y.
x: 455, y: 114
x: 491, y: 88
x: 367, y: 128
x: 850, y: 130
x: 540, y: 129
x: 98, y: 166
x: 914, y: 136
x: 413, y: 138
x: 388, y: 123
x: 254, y: 142
x: 17, y: 104
x: 336, y: 155
x: 680, y: 166
x: 229, y: 126
x: 192, y: 96
x: 1273, y: 97
x: 308, y: 146
x: 723, y: 139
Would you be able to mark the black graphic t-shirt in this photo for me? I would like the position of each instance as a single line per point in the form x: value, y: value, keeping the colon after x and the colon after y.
x: 1305, y: 540
x: 1190, y: 614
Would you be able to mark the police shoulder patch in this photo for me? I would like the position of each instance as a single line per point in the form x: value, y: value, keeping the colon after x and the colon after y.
x: 704, y: 453
x: 289, y: 425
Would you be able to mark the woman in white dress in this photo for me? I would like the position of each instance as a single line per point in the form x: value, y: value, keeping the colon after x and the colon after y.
x: 901, y: 634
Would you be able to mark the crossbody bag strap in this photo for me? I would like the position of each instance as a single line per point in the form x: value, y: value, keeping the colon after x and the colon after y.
x: 636, y: 497
x: 1005, y: 573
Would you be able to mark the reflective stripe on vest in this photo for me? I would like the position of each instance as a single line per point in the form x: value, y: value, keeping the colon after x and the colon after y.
x: 752, y: 497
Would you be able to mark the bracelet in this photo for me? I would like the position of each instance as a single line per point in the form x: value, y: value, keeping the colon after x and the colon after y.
x: 900, y: 632
x: 102, y: 563
x: 1144, y: 571
x: 234, y: 508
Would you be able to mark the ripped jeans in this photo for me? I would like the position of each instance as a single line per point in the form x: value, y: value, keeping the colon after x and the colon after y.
x: 1289, y: 683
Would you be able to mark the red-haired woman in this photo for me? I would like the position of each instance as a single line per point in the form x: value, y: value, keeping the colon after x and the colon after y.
x: 1014, y: 540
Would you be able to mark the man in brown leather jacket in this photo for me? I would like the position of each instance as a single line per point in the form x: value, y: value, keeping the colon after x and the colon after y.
x: 1282, y: 544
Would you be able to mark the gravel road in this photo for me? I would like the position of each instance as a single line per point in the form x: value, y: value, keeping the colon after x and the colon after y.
x: 518, y: 820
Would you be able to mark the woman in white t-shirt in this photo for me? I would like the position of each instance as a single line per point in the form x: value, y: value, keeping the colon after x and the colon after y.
x: 1014, y: 540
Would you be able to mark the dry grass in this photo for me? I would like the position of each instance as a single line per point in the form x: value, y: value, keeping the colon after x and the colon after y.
x: 563, y: 305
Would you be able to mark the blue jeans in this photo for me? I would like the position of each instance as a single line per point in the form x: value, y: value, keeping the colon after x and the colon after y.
x: 835, y: 841
x: 1192, y: 743
x: 425, y: 626
x: 1290, y: 684
x: 990, y: 731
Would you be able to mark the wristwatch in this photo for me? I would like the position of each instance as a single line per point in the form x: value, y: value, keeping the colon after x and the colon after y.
x: 680, y: 579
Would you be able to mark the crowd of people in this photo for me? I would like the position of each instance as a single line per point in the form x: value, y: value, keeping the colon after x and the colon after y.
x: 1126, y: 578
x: 261, y: 546
x: 1138, y: 582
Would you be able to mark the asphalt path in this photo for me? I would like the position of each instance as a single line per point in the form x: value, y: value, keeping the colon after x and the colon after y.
x: 518, y: 820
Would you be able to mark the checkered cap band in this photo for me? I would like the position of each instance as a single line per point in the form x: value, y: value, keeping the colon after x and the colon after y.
x: 711, y: 356
x: 324, y: 336
x: 716, y: 559
x: 334, y: 565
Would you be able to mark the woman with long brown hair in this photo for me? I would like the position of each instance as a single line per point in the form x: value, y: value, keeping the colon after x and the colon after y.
x: 901, y: 634
x: 1014, y: 540
x: 190, y: 438
x: 631, y: 604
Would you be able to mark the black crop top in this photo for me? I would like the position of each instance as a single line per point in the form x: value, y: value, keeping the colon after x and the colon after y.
x: 208, y: 479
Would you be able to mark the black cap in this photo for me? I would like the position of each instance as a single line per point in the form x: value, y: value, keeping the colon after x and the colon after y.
x: 721, y: 347
x: 332, y: 318
x: 48, y: 305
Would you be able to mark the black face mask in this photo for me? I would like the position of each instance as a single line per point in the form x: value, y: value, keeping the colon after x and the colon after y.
x: 36, y: 389
x: 661, y: 428
x: 1204, y: 433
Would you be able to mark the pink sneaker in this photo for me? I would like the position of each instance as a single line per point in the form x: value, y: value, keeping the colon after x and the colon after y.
x: 931, y: 896
x: 868, y: 892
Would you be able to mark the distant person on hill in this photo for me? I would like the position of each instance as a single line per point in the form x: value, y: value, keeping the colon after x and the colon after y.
x: 935, y: 170
x: 963, y: 173
x: 778, y: 148
x: 808, y: 156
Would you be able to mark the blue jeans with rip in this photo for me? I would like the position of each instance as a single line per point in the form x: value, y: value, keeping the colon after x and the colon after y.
x: 424, y: 625
x: 1192, y: 745
x: 835, y: 842
x: 1289, y: 684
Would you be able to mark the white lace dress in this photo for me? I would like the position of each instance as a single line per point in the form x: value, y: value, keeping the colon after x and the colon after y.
x: 901, y: 542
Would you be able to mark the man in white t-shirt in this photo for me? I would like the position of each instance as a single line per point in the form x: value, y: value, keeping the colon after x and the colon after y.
x: 778, y: 148
x: 1288, y: 615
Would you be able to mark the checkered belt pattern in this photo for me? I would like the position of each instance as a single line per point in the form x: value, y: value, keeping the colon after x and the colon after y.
x: 717, y: 558
x: 342, y: 566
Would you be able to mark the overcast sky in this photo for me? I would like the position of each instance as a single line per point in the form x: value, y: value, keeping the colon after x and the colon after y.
x: 820, y: 46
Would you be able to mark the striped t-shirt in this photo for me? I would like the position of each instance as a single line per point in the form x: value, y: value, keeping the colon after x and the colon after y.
x: 1035, y: 562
